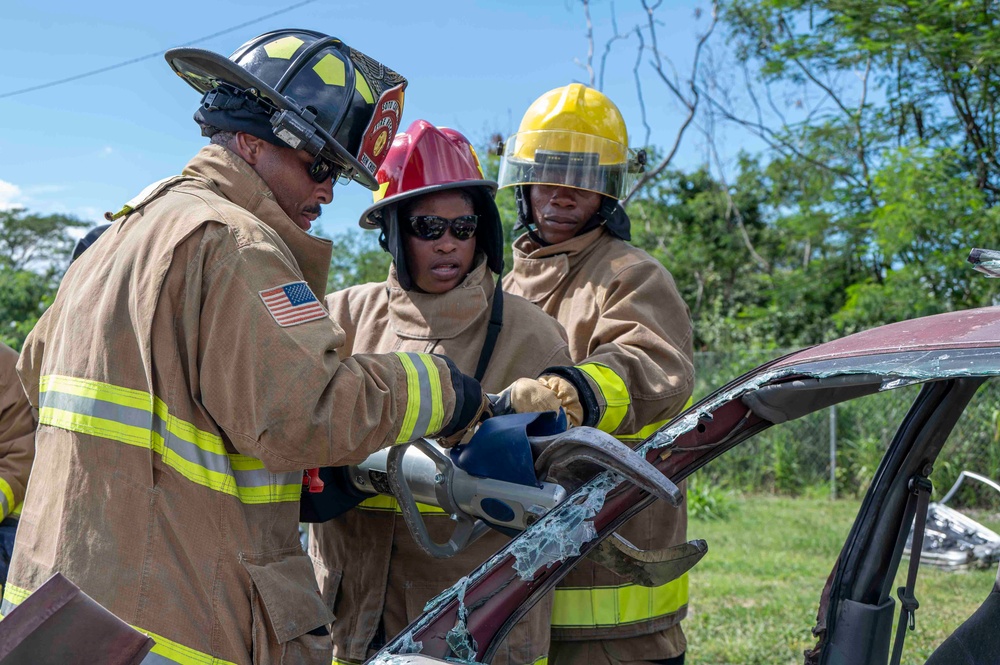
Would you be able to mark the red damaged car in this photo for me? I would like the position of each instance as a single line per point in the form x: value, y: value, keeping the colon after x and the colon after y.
x: 950, y: 355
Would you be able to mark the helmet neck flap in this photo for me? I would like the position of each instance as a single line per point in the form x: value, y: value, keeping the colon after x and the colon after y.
x: 427, y: 160
x: 489, y: 234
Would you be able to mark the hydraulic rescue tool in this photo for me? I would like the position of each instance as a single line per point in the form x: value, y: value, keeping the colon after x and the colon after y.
x: 514, y: 470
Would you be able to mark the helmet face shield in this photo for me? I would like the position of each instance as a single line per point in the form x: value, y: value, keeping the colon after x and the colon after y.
x: 570, y: 159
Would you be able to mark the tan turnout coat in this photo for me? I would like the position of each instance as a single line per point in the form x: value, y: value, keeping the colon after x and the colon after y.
x: 366, y: 559
x: 17, y: 436
x: 621, y: 309
x: 177, y: 415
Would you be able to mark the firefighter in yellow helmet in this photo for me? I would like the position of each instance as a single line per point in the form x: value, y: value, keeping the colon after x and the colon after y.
x: 187, y: 372
x: 629, y: 335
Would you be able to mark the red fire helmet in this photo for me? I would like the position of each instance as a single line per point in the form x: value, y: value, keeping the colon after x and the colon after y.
x: 422, y: 160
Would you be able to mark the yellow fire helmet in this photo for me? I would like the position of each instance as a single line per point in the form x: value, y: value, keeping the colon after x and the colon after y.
x: 573, y: 136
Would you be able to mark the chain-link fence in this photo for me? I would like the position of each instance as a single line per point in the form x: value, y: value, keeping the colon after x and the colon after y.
x: 845, y: 443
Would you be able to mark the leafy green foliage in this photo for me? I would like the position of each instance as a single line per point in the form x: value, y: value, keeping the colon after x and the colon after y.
x: 708, y: 502
x: 357, y: 259
x: 883, y: 162
x: 34, y: 253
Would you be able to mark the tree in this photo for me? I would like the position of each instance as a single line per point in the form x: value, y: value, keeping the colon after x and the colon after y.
x: 879, y: 121
x: 34, y: 253
x: 357, y: 259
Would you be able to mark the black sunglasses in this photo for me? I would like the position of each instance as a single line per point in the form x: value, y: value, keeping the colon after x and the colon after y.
x: 322, y: 168
x: 432, y: 227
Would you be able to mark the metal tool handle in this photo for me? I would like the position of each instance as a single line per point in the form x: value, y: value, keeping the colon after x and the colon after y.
x: 571, y: 458
x: 467, y: 530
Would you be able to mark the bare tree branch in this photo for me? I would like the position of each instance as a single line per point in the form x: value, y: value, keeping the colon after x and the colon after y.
x: 691, y: 103
x: 638, y: 85
x: 812, y: 77
x: 590, y: 41
x: 860, y: 132
x: 732, y: 209
x: 777, y: 142
x: 607, y: 46
x: 770, y: 99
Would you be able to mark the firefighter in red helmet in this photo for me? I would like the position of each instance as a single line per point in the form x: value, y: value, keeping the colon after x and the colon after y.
x: 438, y: 220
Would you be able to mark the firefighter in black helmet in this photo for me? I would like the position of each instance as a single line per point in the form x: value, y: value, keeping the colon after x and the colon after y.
x: 188, y: 372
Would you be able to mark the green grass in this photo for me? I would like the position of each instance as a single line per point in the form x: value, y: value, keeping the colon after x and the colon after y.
x: 754, y: 596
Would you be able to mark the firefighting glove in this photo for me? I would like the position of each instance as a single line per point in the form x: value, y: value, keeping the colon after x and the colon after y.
x: 472, y: 406
x: 548, y: 393
x: 568, y: 397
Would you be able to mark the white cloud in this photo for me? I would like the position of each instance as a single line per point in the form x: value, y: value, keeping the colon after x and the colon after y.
x: 107, y: 150
x: 10, y: 195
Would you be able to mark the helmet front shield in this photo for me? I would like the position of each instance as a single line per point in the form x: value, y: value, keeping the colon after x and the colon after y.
x: 570, y: 159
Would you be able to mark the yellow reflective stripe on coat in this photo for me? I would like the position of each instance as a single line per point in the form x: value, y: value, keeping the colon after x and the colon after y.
x: 616, y: 397
x: 168, y: 652
x: 12, y: 597
x: 651, y: 428
x: 383, y: 503
x: 602, y: 607
x: 7, y: 506
x: 424, y: 398
x: 137, y: 418
x: 164, y: 652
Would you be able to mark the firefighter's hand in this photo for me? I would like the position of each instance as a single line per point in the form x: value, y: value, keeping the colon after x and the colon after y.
x: 547, y: 393
x: 568, y: 396
x: 472, y: 406
x: 481, y: 413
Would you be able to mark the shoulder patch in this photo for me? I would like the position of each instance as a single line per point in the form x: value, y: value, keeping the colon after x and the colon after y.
x: 291, y: 304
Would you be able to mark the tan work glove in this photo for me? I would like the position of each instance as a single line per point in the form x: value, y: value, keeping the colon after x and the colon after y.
x: 547, y: 393
x: 568, y: 397
x: 482, y: 413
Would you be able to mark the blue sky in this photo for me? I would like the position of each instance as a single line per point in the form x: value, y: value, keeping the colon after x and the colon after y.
x: 88, y: 146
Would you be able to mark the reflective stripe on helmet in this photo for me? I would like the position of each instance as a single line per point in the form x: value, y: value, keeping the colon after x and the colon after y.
x: 424, y: 398
x: 331, y: 70
x: 283, y: 48
x: 616, y: 397
x: 137, y: 418
x: 602, y: 607
x: 361, y: 85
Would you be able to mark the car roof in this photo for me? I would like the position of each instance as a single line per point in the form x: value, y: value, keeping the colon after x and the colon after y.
x: 968, y: 329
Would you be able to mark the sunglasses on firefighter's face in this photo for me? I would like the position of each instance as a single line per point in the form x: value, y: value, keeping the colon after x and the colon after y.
x: 432, y: 227
x: 322, y: 168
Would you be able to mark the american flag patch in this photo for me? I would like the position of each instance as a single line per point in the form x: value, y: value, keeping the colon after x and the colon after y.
x: 292, y: 304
